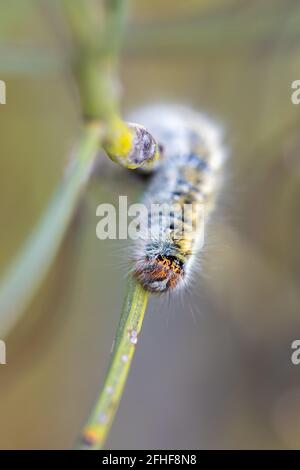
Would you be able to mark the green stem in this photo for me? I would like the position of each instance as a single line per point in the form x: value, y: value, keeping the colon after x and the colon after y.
x: 30, y: 267
x: 96, y: 28
x: 98, y: 425
x: 93, y: 24
x: 94, y: 71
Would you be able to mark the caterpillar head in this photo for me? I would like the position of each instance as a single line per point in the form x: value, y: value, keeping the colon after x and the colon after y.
x: 160, y: 273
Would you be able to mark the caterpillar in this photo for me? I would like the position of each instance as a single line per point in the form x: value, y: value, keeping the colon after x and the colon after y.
x: 188, y: 175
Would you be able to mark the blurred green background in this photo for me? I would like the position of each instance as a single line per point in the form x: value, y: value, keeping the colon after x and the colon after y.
x: 212, y: 370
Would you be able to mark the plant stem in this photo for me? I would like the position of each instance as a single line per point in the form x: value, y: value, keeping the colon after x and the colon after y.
x: 90, y: 29
x: 94, y: 72
x: 98, y: 425
x: 31, y: 265
x: 96, y: 28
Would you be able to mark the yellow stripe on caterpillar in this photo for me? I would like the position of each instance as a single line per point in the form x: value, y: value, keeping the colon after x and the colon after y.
x: 189, y: 175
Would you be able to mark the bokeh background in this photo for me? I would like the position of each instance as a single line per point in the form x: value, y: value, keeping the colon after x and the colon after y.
x: 212, y: 370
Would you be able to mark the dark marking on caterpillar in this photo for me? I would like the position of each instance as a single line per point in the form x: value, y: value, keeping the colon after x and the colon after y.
x: 190, y: 174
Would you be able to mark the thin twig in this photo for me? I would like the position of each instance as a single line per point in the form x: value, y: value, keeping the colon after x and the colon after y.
x: 98, y: 425
x: 94, y: 71
x: 30, y: 267
x: 234, y: 30
x: 96, y: 29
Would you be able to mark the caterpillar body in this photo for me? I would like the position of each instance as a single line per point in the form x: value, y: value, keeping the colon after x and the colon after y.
x: 188, y: 176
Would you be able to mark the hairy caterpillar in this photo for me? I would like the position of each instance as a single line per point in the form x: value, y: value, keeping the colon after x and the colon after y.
x: 188, y: 175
